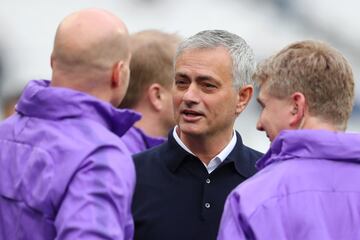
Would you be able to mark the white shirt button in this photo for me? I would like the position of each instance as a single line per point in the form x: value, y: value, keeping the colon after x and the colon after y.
x: 207, y: 205
x: 208, y: 180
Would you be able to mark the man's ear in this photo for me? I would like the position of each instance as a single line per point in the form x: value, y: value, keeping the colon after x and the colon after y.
x: 52, y: 61
x: 244, y: 95
x: 298, y: 109
x: 116, y: 77
x: 155, y: 96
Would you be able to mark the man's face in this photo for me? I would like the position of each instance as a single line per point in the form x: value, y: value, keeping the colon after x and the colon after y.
x: 204, y: 99
x: 275, y: 113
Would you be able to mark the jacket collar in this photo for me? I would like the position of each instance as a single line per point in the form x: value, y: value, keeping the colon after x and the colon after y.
x: 40, y: 100
x: 312, y: 144
x: 149, y: 141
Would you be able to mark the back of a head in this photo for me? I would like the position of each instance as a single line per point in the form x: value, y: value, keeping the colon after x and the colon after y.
x: 87, y: 44
x: 152, y: 58
x: 318, y: 71
x: 242, y: 55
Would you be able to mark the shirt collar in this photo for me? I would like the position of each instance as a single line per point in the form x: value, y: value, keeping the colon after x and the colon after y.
x: 218, y: 159
x: 241, y: 156
x: 178, y: 140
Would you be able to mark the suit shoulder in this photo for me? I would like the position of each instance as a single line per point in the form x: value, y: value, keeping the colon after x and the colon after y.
x: 252, y: 153
x: 150, y: 156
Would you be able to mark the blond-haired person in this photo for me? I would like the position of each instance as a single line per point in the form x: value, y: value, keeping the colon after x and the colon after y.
x: 149, y: 92
x: 307, y: 186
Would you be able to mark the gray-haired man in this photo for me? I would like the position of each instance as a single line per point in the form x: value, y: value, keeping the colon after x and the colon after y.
x: 182, y: 184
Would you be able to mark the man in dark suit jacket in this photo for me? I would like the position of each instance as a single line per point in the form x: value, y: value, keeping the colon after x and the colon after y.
x: 182, y: 184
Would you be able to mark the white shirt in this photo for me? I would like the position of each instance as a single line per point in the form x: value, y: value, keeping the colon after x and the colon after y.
x: 218, y: 159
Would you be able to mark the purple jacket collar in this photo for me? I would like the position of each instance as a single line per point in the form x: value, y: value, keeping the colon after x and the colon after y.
x: 312, y: 144
x: 67, y: 103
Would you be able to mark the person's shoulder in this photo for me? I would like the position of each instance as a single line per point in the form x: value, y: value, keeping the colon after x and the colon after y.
x: 151, y: 164
x: 274, y: 181
x: 246, y: 151
x: 252, y: 153
x: 245, y: 159
x: 257, y: 190
x: 151, y: 155
x: 92, y: 132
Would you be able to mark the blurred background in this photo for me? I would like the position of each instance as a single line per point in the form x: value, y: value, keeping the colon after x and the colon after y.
x: 28, y: 28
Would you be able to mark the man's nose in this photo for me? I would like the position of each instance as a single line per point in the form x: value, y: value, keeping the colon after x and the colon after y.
x: 259, y: 125
x: 191, y: 95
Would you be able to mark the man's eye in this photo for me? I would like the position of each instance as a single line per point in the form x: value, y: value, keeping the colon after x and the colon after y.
x: 179, y: 82
x: 209, y: 85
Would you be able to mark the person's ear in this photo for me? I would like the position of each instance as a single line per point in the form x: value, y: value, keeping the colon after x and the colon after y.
x: 117, y: 75
x: 52, y: 61
x: 298, y: 108
x: 155, y: 96
x: 244, y: 95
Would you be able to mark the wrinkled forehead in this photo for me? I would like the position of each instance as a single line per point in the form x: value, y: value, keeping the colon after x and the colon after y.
x: 202, y: 50
x: 214, y: 62
x: 204, y: 56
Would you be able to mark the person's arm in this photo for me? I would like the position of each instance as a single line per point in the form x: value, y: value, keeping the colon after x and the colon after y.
x: 233, y: 224
x: 98, y: 199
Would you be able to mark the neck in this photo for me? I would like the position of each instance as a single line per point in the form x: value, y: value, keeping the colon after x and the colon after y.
x: 312, y: 122
x: 206, y: 147
x: 81, y: 84
x: 149, y: 120
x: 147, y: 124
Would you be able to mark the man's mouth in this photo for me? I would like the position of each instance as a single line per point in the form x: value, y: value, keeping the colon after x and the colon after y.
x: 191, y: 115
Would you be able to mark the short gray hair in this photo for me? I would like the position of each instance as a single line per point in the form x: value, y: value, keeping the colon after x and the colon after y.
x: 243, y: 59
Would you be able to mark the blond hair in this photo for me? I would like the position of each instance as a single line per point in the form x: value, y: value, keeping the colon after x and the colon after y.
x: 152, y: 59
x: 318, y: 71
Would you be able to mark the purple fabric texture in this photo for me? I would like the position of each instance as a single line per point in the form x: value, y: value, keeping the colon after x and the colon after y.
x: 137, y: 141
x: 64, y: 171
x: 307, y: 188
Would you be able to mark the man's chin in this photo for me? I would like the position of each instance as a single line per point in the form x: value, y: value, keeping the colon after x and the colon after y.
x: 189, y: 129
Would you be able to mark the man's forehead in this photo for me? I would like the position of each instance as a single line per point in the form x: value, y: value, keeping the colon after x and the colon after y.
x: 203, y: 61
x: 200, y: 52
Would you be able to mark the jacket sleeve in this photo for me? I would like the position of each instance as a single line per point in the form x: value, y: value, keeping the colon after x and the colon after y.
x: 233, y: 224
x: 97, y: 202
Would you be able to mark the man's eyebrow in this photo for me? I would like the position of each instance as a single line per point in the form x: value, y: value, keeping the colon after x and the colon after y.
x: 181, y: 75
x: 198, y: 78
x: 204, y: 78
